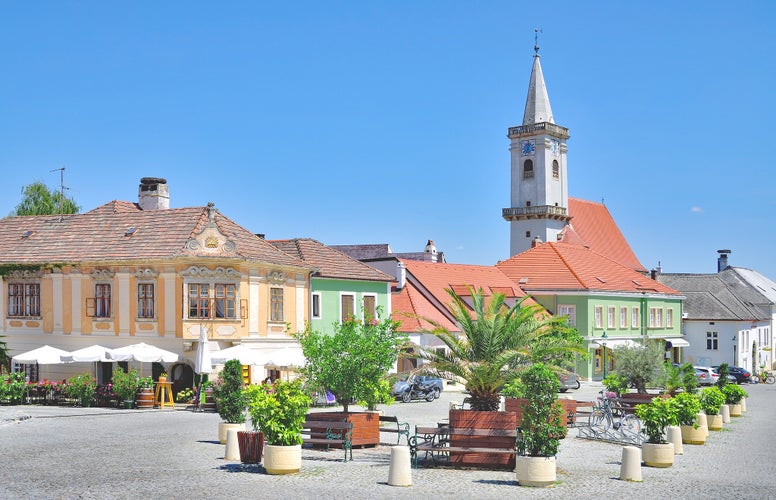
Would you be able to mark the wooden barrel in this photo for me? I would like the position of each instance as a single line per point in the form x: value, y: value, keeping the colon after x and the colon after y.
x: 250, y: 444
x: 145, y: 398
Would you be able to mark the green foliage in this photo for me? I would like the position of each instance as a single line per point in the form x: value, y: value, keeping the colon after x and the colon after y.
x: 733, y: 394
x: 638, y: 365
x: 145, y: 382
x: 381, y: 393
x: 37, y: 199
x: 687, y: 408
x: 515, y: 388
x: 615, y: 383
x: 5, y: 359
x: 655, y: 416
x: 712, y: 399
x: 352, y: 362
x: 723, y: 371
x: 12, y: 387
x: 689, y: 380
x: 228, y: 393
x: 542, y: 414
x: 278, y: 410
x: 81, y: 387
x: 184, y: 396
x: 497, y: 343
x: 125, y: 384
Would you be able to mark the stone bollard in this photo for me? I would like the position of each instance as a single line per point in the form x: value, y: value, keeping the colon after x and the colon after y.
x: 400, y: 469
x: 725, y: 412
x: 232, y: 446
x: 703, y: 423
x: 630, y: 467
x: 743, y: 405
x: 674, y: 436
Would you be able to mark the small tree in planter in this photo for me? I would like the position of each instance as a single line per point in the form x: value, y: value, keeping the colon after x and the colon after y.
x: 687, y: 408
x: 712, y: 400
x: 540, y: 427
x: 230, y: 399
x: 616, y: 383
x: 733, y: 396
x: 655, y: 416
x: 278, y: 410
x: 639, y: 364
x: 723, y: 372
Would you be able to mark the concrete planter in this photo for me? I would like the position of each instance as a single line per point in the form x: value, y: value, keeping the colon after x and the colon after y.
x: 735, y: 410
x: 282, y: 459
x: 693, y: 435
x: 657, y: 455
x: 223, y: 427
x: 714, y: 422
x: 537, y: 472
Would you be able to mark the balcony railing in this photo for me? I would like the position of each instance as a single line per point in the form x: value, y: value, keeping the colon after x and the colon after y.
x: 539, y: 211
x: 550, y: 128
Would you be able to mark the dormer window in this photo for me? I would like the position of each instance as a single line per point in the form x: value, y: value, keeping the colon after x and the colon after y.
x: 528, y: 169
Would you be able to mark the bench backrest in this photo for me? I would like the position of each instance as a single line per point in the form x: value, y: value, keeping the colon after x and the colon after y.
x: 385, y: 418
x: 328, y: 424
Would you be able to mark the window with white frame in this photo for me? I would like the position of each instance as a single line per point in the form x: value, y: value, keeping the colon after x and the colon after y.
x: 370, y: 307
x: 623, y: 317
x: 347, y: 307
x: 315, y: 306
x: 635, y: 322
x: 599, y: 317
x: 569, y: 311
x: 669, y: 318
x: 23, y: 299
x: 655, y: 317
x: 610, y: 317
x: 145, y: 300
x: 712, y: 341
x: 212, y: 300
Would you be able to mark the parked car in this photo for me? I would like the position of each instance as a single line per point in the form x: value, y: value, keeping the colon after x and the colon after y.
x: 568, y: 380
x: 737, y: 374
x: 706, y: 375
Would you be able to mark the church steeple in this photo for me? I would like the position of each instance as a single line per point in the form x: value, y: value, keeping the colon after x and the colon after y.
x: 539, y: 187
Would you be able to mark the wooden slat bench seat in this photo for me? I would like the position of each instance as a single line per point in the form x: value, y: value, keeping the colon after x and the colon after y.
x: 327, y: 433
x: 434, y: 442
x: 394, y: 426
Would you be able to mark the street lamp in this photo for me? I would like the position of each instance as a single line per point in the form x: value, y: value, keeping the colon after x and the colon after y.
x: 603, y: 336
x: 735, y: 344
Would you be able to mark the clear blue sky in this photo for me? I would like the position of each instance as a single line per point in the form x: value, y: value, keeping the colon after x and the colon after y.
x: 385, y: 122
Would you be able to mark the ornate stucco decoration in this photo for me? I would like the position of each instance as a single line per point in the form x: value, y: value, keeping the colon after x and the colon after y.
x: 145, y: 273
x: 210, y: 239
x: 102, y: 274
x: 204, y: 272
x: 26, y: 274
x: 276, y: 277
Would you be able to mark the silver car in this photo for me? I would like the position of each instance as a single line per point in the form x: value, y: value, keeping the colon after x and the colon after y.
x: 568, y: 380
x: 706, y: 375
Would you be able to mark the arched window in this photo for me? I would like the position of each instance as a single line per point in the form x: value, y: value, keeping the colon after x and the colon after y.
x: 555, y: 169
x: 528, y: 171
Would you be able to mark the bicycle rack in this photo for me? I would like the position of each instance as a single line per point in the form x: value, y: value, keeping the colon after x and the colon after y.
x: 611, y: 435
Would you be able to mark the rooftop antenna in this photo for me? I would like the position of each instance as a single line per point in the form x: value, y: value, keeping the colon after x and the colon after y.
x: 536, y: 39
x: 61, y: 192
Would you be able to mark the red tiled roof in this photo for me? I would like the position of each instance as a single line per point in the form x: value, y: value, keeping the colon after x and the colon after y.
x: 593, y: 226
x: 436, y: 278
x: 329, y: 262
x: 560, y: 266
x: 410, y: 307
x: 101, y: 234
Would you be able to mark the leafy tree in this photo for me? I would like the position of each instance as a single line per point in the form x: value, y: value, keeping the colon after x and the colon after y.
x: 723, y: 372
x: 228, y: 392
x: 37, y: 199
x: 639, y: 364
x: 497, y: 343
x: 542, y: 414
x: 352, y: 362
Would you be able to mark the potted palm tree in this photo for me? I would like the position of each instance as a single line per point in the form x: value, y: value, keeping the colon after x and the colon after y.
x: 278, y: 410
x: 655, y: 416
x: 540, y: 428
x: 687, y: 408
x: 496, y: 343
x: 712, y: 400
x: 230, y: 400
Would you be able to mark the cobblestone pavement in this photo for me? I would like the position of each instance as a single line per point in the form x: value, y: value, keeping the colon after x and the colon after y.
x: 77, y: 453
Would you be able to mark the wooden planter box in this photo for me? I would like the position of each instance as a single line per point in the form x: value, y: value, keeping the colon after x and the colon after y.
x: 515, y: 405
x: 471, y: 419
x: 366, y: 426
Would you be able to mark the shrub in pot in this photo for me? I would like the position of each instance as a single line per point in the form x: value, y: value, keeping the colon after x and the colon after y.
x: 687, y: 408
x: 230, y: 399
x: 712, y: 399
x: 733, y: 396
x: 655, y: 416
x: 278, y: 410
x: 81, y: 387
x: 615, y: 383
x: 125, y: 385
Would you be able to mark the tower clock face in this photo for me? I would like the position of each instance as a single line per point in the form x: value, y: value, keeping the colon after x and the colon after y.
x: 554, y: 147
x: 528, y: 147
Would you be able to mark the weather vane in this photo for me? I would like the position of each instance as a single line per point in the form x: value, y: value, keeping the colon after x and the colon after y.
x: 536, y: 39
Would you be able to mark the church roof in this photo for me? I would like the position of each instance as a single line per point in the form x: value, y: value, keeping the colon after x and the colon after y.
x: 537, y: 104
x: 329, y: 262
x: 560, y: 266
x: 593, y: 226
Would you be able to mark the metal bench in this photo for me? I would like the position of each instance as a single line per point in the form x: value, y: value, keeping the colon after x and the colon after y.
x: 434, y: 442
x: 401, y: 429
x: 329, y: 432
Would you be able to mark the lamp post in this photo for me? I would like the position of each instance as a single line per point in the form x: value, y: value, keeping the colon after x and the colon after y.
x: 603, y: 336
x: 735, y: 345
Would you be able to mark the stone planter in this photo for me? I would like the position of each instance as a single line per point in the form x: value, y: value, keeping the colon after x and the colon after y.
x: 282, y: 459
x: 471, y: 419
x: 714, y: 422
x: 657, y: 455
x: 538, y: 472
x: 366, y: 426
x: 250, y: 444
x: 693, y: 435
x: 735, y: 410
x: 223, y: 427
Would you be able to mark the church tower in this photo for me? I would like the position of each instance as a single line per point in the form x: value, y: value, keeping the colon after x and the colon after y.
x: 539, y: 186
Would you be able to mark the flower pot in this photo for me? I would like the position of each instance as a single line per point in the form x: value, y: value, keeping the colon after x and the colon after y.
x: 657, y: 455
x: 714, y: 422
x: 223, y: 427
x: 735, y: 410
x: 538, y: 472
x: 251, y: 444
x: 128, y: 404
x: 282, y: 459
x: 162, y: 379
x: 145, y: 398
x: 693, y: 435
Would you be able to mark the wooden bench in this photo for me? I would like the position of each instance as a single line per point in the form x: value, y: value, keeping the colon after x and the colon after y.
x: 402, y: 428
x: 329, y: 432
x: 629, y: 401
x: 434, y: 442
x: 578, y: 412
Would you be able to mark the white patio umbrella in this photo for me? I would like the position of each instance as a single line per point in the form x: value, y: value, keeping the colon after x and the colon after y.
x: 245, y: 355
x: 45, y: 355
x: 93, y: 353
x: 202, y: 362
x: 143, y: 353
x: 288, y: 356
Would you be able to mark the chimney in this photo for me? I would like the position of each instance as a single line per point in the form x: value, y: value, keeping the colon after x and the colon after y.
x: 430, y: 248
x: 153, y: 194
x: 722, y: 260
x: 401, y: 275
x: 536, y: 242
